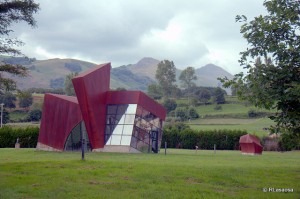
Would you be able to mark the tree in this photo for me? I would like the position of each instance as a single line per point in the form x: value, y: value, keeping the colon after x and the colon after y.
x: 219, y: 96
x: 187, y: 76
x: 166, y: 77
x: 274, y: 83
x: 154, y: 91
x: 35, y: 115
x: 170, y: 105
x: 120, y: 89
x: 69, y: 88
x: 6, y: 117
x: 203, y: 95
x: 8, y: 99
x: 25, y: 99
x: 13, y: 12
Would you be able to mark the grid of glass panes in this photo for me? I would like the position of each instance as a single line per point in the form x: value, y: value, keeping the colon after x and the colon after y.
x: 119, y: 124
x: 73, y: 142
x: 131, y: 125
x: 144, y: 123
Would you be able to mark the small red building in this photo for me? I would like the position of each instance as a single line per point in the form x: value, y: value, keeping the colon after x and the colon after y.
x: 250, y: 144
x: 117, y: 121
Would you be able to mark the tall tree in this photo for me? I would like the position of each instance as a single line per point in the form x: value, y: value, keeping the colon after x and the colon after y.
x: 275, y: 83
x: 203, y: 95
x: 25, y: 99
x: 154, y: 91
x: 219, y: 95
x: 13, y: 11
x: 8, y: 99
x: 187, y: 76
x: 166, y: 77
x: 69, y: 88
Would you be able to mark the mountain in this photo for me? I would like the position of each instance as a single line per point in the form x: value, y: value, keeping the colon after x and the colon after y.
x: 51, y: 73
x: 208, y: 74
x: 146, y: 67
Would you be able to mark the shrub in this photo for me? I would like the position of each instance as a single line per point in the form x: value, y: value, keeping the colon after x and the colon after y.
x: 218, y: 107
x: 252, y: 113
x: 193, y: 113
x: 28, y: 136
x: 35, y: 115
x: 187, y: 138
x: 170, y: 105
x: 289, y: 141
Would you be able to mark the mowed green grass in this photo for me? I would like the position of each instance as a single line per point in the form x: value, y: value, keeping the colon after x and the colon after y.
x: 227, y: 109
x: 27, y: 173
x: 254, y: 126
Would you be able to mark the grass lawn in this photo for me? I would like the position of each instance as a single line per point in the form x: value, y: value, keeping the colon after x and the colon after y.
x: 233, y: 109
x: 253, y: 126
x: 27, y: 173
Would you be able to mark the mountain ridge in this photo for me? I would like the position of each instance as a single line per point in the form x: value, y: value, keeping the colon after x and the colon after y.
x: 51, y: 73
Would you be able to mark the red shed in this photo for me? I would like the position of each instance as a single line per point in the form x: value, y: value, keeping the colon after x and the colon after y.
x: 250, y: 144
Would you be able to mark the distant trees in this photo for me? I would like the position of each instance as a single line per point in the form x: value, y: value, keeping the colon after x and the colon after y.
x: 187, y: 77
x: 8, y: 99
x: 154, y: 91
x: 166, y: 77
x: 170, y: 105
x: 13, y: 12
x: 69, y: 88
x: 203, y: 95
x: 25, y: 99
x: 219, y: 96
x: 57, y: 83
x: 35, y: 115
x: 73, y: 67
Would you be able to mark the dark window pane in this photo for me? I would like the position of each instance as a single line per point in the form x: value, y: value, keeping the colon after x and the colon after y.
x: 122, y: 109
x: 133, y: 142
x: 112, y: 109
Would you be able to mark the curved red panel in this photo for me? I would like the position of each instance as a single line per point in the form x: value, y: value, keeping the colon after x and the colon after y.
x: 60, y: 115
x: 90, y: 88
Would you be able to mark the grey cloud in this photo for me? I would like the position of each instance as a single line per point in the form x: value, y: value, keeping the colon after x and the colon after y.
x: 112, y: 30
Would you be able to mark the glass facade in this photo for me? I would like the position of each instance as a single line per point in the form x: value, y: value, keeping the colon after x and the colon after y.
x: 131, y: 125
x: 73, y: 142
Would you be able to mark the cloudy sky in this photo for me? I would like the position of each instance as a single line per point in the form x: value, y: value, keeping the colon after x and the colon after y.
x: 189, y: 32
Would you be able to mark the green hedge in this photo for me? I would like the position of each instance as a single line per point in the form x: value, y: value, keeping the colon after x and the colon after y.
x: 188, y: 138
x: 28, y: 136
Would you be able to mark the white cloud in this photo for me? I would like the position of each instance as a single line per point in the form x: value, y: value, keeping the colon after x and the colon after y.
x: 191, y: 33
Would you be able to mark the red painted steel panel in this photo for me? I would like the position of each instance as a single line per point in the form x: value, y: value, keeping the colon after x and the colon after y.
x: 136, y: 97
x: 250, y: 144
x: 90, y: 88
x: 60, y: 115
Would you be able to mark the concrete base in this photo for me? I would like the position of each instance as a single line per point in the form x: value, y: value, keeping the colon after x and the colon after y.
x: 17, y: 145
x: 251, y: 153
x: 44, y: 147
x: 117, y: 149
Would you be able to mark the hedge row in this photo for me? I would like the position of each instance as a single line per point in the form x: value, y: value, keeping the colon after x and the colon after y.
x: 189, y: 139
x: 28, y: 136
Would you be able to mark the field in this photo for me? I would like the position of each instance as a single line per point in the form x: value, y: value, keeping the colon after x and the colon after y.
x: 233, y: 115
x: 27, y: 173
x: 255, y: 126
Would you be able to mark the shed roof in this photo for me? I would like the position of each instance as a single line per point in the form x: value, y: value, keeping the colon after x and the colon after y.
x: 248, y: 138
